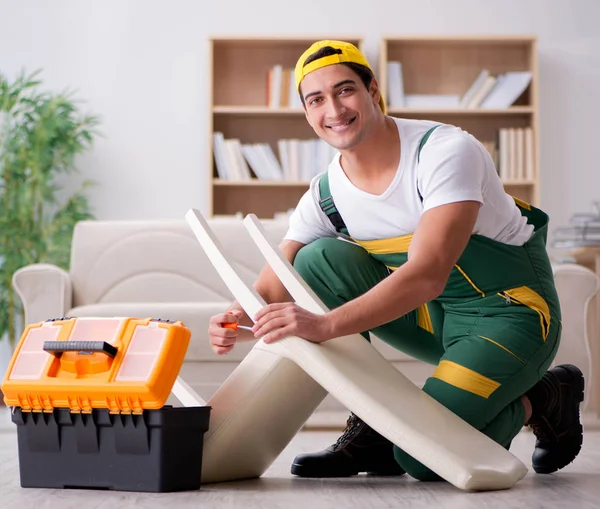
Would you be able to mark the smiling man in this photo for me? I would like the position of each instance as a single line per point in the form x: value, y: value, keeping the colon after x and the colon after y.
x: 441, y: 264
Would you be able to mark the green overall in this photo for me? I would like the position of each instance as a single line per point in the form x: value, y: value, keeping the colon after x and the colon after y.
x: 492, y: 333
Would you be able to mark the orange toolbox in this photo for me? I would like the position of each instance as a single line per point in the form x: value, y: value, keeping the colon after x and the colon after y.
x: 88, y: 398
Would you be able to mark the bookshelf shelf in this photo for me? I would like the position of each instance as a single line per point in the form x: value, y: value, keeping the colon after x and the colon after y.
x: 515, y: 110
x: 258, y: 183
x: 255, y: 110
x: 431, y: 65
x: 447, y: 40
x: 508, y: 183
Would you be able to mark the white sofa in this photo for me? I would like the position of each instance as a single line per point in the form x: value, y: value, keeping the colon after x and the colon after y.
x: 158, y: 269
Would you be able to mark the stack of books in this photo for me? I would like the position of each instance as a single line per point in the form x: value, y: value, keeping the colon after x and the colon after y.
x: 583, y: 231
x: 496, y: 92
x: 516, y: 154
x: 299, y: 160
x: 486, y: 92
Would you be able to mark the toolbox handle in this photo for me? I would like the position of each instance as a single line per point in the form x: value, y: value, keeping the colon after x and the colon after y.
x: 57, y: 348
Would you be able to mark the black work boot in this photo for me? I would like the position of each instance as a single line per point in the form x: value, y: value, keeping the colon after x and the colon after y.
x: 555, y: 401
x: 359, y: 449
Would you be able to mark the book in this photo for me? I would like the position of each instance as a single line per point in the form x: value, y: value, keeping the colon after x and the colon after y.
x: 271, y: 162
x: 274, y: 86
x: 529, y: 155
x: 284, y: 95
x: 220, y: 155
x: 293, y: 95
x: 481, y: 93
x: 242, y: 169
x: 520, y: 154
x: 234, y: 172
x: 294, y: 153
x: 284, y: 157
x: 512, y: 153
x: 255, y: 161
x: 395, y: 84
x: 503, y: 155
x: 475, y: 86
x: 512, y: 85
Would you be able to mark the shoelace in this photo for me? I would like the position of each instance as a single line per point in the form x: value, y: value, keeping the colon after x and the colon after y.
x: 542, y: 428
x: 353, y: 424
x: 542, y: 431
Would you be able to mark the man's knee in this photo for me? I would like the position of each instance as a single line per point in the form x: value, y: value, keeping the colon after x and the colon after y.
x: 313, y: 255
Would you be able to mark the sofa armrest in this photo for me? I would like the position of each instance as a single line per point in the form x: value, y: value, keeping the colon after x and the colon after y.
x: 45, y: 291
x: 576, y: 286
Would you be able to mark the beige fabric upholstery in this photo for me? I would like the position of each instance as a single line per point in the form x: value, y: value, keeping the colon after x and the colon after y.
x: 45, y: 291
x: 139, y: 261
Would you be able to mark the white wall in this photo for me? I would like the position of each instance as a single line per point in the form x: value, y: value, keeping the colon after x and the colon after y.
x: 142, y: 66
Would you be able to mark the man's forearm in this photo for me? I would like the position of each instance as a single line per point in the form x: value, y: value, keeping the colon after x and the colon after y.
x: 406, y: 289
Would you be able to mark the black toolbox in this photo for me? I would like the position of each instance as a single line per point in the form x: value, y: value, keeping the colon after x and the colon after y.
x: 155, y: 451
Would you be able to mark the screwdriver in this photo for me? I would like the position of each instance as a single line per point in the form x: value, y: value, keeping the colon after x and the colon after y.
x: 236, y: 326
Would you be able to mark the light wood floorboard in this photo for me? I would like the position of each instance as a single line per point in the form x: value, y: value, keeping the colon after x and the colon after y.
x: 577, y: 486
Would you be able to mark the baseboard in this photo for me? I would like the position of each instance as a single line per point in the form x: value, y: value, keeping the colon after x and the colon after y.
x: 590, y: 420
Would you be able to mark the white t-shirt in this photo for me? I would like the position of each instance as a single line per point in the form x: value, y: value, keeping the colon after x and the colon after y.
x: 453, y: 167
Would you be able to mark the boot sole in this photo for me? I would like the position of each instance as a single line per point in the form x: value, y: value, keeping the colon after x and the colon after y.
x: 304, y: 471
x: 575, y: 373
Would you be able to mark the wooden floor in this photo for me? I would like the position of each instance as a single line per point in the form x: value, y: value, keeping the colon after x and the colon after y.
x: 576, y: 487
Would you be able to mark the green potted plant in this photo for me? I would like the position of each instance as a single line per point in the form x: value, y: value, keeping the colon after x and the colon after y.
x: 41, y: 133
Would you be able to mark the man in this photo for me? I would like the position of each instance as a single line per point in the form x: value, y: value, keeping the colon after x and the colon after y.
x: 441, y: 264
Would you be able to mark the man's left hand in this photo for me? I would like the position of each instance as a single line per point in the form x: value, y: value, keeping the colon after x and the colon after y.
x: 280, y: 320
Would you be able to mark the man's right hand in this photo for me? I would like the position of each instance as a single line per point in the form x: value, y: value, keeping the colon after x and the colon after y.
x: 268, y: 286
x: 222, y: 340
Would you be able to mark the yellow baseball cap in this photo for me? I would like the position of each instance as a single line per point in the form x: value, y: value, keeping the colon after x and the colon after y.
x: 349, y: 53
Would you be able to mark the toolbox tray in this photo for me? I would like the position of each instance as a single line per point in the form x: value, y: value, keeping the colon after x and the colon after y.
x: 155, y: 451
